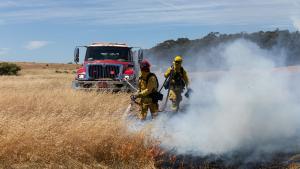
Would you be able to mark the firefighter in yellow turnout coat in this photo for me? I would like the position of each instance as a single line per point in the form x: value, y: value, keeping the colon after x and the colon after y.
x: 147, y: 85
x: 177, y: 82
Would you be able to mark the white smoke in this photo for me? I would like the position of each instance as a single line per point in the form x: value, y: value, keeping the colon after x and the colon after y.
x: 296, y: 22
x: 249, y: 107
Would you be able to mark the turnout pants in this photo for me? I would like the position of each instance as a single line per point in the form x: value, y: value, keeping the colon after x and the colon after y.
x: 175, y: 97
x: 146, y: 104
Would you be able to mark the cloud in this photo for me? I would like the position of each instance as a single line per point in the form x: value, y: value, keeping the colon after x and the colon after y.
x: 32, y: 45
x: 4, y: 51
x: 5, y: 4
x: 150, y: 12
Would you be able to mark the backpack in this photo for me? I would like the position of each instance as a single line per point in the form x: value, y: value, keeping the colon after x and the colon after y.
x: 155, y: 95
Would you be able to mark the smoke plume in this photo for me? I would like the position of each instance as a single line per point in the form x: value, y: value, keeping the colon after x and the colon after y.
x: 252, y: 106
x: 296, y: 23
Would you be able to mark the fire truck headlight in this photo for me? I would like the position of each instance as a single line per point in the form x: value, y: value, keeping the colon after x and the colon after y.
x: 128, y: 77
x: 81, y: 76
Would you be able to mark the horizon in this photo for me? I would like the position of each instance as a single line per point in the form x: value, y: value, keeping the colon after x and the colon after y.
x: 48, y: 31
x: 71, y: 61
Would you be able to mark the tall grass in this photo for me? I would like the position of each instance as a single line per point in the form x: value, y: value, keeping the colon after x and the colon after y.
x: 45, y: 124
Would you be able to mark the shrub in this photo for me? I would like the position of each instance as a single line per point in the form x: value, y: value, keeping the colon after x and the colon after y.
x: 9, y: 68
x: 58, y: 71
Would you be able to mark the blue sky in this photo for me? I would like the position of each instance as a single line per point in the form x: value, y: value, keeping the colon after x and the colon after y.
x: 48, y: 30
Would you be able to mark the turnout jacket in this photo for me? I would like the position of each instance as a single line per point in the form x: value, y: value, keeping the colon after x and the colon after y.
x: 146, y: 88
x: 178, y: 71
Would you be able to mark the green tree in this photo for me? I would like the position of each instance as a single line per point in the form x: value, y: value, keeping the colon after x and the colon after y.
x: 9, y: 68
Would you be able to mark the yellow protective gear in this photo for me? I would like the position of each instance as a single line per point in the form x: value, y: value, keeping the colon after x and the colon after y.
x: 177, y: 66
x: 144, y: 110
x: 178, y: 59
x: 176, y: 90
x: 144, y: 90
x: 177, y: 69
x: 175, y: 97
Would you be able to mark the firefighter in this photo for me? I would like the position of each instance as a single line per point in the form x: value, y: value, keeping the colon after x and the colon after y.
x: 148, y: 85
x: 178, y: 81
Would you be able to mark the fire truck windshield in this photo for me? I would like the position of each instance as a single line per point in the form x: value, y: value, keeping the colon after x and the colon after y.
x: 108, y: 53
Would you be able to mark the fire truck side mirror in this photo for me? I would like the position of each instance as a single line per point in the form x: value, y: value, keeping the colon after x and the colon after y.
x: 76, y: 55
x: 140, y: 55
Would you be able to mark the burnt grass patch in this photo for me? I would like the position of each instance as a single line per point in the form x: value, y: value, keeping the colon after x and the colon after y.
x: 237, y: 160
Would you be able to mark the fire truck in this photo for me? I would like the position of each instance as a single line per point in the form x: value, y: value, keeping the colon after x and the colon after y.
x: 108, y: 66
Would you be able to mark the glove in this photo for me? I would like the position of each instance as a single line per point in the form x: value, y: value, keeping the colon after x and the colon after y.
x: 187, y: 95
x: 188, y: 92
x: 133, y: 97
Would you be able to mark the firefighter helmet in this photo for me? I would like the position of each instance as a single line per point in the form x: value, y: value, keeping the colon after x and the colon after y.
x: 145, y: 66
x: 178, y: 59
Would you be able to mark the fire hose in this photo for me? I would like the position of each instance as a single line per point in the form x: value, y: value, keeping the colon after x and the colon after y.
x: 169, y: 85
x: 187, y: 94
x: 133, y: 101
x: 130, y: 84
x: 135, y: 89
x: 168, y: 93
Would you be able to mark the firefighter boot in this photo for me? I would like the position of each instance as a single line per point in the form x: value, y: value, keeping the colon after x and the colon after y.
x: 174, y: 106
x: 154, y: 110
x: 144, y: 111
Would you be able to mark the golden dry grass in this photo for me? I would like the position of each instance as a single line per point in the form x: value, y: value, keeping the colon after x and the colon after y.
x: 46, y: 124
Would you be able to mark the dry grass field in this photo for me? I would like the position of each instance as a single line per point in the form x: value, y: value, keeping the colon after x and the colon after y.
x: 46, y: 124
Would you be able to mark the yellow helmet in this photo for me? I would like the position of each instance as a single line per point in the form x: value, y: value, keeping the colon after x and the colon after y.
x: 178, y: 59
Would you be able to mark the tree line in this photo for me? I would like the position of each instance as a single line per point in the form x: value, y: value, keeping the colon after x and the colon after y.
x: 202, y: 49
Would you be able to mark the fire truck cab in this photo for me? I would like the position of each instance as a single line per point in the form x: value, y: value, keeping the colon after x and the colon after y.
x: 108, y: 66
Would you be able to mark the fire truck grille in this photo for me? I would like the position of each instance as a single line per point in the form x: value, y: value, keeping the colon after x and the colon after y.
x: 103, y: 71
